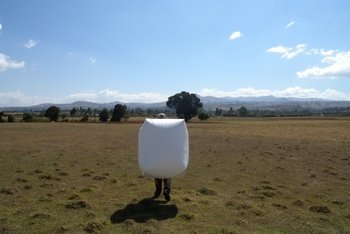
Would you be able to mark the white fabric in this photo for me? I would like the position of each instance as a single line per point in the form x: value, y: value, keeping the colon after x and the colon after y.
x: 163, y: 147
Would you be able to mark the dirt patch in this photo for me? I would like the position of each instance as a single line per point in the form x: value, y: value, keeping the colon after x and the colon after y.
x: 268, y: 194
x: 186, y: 217
x: 8, y: 191
x: 320, y: 209
x: 49, y: 177
x: 74, y: 197
x: 27, y: 187
x: 40, y: 216
x: 86, y: 190
x: 4, y: 229
x: 207, y: 191
x: 268, y: 187
x: 298, y: 203
x: 99, y: 178
x: 63, y: 174
x: 62, y: 229
x: 22, y: 180
x: 77, y: 205
x: 280, y: 206
x: 339, y: 203
x: 113, y: 181
x: 93, y: 227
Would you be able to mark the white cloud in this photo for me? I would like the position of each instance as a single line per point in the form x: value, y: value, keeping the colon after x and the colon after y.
x: 108, y: 95
x: 290, y: 24
x: 337, y: 64
x: 92, y: 60
x: 0, y: 27
x: 235, y: 35
x: 287, y: 52
x: 295, y: 92
x: 7, y: 63
x: 30, y: 43
x: 19, y: 98
x: 321, y: 52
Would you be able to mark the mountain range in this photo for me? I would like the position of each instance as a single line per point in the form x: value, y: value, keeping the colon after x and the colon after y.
x: 209, y: 103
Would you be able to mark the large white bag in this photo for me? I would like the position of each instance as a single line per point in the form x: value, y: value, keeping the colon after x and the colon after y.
x: 163, y: 147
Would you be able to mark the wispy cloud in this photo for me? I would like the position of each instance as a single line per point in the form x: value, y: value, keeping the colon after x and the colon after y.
x: 92, y: 60
x: 31, y: 43
x: 0, y: 27
x: 337, y: 64
x: 290, y: 24
x: 288, y: 52
x: 7, y: 63
x: 295, y: 92
x: 322, y: 52
x: 235, y: 35
x: 108, y: 95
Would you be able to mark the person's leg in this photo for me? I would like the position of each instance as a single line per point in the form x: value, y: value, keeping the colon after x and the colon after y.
x: 158, y: 184
x: 167, y: 188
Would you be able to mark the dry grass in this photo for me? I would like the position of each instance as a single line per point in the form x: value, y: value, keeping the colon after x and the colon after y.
x: 253, y: 175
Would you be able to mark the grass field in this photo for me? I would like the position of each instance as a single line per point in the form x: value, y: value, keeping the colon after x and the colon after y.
x: 245, y: 176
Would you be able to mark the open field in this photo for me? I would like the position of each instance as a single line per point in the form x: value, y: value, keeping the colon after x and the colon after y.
x: 245, y: 176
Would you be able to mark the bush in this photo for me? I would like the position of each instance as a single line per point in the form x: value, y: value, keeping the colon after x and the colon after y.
x: 1, y: 115
x: 104, y: 115
x: 243, y: 111
x: 10, y: 118
x: 85, y: 118
x: 27, y: 117
x: 203, y: 116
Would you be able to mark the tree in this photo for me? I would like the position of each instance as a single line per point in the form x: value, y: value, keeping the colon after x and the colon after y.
x: 63, y: 117
x: 243, y: 111
x: 203, y: 116
x: 73, y: 111
x: 185, y: 104
x: 27, y: 117
x: 104, y: 115
x: 118, y: 112
x: 52, y: 113
x: 1, y: 115
x: 229, y: 112
x: 218, y: 111
x: 10, y: 118
x: 88, y: 111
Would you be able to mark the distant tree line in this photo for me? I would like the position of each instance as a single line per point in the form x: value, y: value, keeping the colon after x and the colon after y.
x: 182, y: 105
x: 301, y: 112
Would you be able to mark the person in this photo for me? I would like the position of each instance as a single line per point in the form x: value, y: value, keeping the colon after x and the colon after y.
x: 166, y: 190
x: 158, y: 181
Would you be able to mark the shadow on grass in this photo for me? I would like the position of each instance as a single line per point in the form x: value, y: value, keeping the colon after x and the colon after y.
x: 144, y: 210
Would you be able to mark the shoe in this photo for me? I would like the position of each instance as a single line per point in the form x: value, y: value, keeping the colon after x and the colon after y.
x: 167, y: 196
x: 156, y: 195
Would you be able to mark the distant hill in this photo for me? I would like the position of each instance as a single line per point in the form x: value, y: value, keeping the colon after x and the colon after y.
x: 270, y: 103
x: 84, y: 105
x: 209, y: 103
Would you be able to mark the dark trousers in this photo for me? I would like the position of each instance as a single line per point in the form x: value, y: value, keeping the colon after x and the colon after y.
x: 158, y: 184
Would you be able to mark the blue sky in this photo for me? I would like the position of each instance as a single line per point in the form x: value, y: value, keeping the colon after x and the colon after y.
x: 144, y: 51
